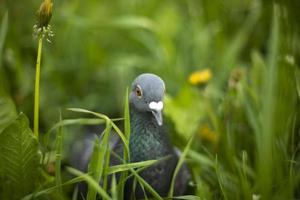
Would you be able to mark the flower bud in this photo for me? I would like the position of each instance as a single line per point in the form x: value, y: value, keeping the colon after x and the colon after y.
x: 44, y: 13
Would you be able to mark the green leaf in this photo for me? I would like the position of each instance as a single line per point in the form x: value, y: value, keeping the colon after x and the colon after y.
x: 185, y: 110
x: 19, y: 160
x: 7, y: 112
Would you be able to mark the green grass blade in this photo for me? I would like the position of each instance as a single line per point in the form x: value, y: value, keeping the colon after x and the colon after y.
x: 265, y: 139
x: 78, y: 121
x: 126, y: 153
x: 3, y: 32
x: 106, y: 169
x: 80, y: 110
x: 58, y: 149
x: 178, y: 166
x: 90, y: 182
x: 96, y: 166
x: 52, y: 189
x: 146, y: 185
x: 187, y: 197
x: 126, y: 167
x: 123, y: 138
x: 201, y: 159
x: 114, y: 191
x: 127, y: 116
x: 220, y: 176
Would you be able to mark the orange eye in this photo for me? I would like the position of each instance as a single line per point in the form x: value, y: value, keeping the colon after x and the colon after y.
x: 138, y: 91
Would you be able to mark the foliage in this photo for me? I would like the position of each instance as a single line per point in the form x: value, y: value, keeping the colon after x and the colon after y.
x: 19, y: 160
x: 244, y: 115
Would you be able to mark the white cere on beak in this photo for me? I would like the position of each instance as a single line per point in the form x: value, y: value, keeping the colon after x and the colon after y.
x: 158, y: 106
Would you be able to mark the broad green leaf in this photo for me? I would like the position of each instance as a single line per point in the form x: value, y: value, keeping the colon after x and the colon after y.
x: 19, y: 160
x: 7, y: 112
x: 185, y: 110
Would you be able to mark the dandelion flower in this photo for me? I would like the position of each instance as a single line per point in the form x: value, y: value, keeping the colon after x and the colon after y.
x: 207, y: 134
x: 200, y: 77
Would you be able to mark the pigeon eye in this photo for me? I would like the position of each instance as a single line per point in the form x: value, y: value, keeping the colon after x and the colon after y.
x: 138, y: 92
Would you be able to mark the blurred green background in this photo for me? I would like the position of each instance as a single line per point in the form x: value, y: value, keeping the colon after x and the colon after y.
x: 245, y: 114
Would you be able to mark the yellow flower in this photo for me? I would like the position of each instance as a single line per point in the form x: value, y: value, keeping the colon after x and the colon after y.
x: 207, y: 134
x: 45, y: 13
x: 200, y: 77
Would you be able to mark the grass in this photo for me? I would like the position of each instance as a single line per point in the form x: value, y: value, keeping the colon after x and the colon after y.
x: 239, y: 130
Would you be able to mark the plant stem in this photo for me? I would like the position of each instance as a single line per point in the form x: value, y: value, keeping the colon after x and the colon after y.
x: 37, y: 89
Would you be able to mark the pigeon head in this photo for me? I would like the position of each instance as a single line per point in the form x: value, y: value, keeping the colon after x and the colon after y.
x: 147, y: 93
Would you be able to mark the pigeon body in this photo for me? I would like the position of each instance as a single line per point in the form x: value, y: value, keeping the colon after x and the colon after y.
x: 148, y: 139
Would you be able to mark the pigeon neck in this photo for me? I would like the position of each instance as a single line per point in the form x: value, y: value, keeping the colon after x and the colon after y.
x: 147, y: 140
x: 141, y: 118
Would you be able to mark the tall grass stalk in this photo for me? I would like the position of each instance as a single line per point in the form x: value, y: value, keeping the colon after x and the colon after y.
x: 58, y: 149
x: 126, y: 154
x: 179, y: 164
x: 96, y: 166
x: 37, y: 89
x: 92, y: 183
x: 265, y: 139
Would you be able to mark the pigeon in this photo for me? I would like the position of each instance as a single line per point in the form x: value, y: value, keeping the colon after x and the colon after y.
x: 150, y: 141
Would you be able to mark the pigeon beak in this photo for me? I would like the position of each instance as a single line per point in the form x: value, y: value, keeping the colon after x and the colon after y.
x: 156, y: 108
x: 158, y: 117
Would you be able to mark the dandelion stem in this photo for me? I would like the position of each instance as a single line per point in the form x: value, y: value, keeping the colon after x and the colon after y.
x: 37, y: 89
